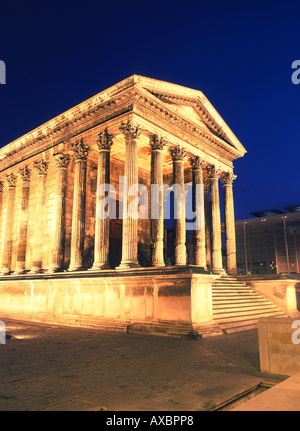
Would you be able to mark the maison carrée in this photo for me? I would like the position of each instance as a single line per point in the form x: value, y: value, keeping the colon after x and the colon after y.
x: 62, y: 261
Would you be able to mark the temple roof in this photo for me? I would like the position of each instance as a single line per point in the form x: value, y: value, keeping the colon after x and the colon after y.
x: 183, y: 108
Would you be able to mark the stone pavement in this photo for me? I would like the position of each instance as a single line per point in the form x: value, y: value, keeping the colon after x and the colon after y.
x: 50, y: 368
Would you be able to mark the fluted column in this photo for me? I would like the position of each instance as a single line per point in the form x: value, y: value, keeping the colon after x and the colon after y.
x: 215, y: 215
x: 101, y: 254
x: 157, y: 211
x: 37, y: 252
x: 57, y: 240
x: 207, y: 224
x: 7, y: 244
x: 178, y: 154
x: 227, y: 180
x: 22, y: 234
x: 198, y: 208
x: 78, y: 214
x: 130, y: 222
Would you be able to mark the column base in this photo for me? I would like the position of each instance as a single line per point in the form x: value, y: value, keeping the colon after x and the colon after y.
x: 158, y: 265
x: 19, y: 272
x: 35, y: 271
x: 5, y: 271
x: 54, y: 270
x: 100, y: 267
x: 127, y: 265
x: 219, y: 271
x: 204, y: 268
x: 76, y: 268
x: 232, y: 271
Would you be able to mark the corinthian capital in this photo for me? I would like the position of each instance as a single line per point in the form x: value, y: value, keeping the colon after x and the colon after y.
x: 11, y: 180
x: 62, y: 160
x: 25, y: 174
x: 104, y: 140
x: 227, y: 178
x: 80, y: 150
x: 157, y: 142
x: 177, y: 153
x: 130, y: 131
x: 196, y: 162
x: 41, y: 167
x: 213, y: 172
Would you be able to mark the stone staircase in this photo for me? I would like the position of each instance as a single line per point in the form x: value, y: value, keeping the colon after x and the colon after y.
x: 237, y: 307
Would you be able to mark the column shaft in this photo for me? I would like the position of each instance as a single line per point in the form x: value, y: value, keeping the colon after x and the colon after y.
x: 157, y: 198
x: 216, y: 239
x: 230, y: 238
x: 7, y: 244
x: 101, y: 254
x: 78, y: 213
x: 22, y: 235
x: 178, y: 154
x: 58, y: 231
x: 130, y: 222
x: 37, y: 252
x: 207, y: 225
x: 198, y: 208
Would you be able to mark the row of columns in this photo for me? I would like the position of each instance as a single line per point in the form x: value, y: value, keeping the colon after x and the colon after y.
x: 206, y: 237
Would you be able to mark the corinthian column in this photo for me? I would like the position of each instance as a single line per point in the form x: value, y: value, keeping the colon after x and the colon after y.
x: 7, y: 244
x: 216, y: 240
x: 227, y: 180
x: 178, y: 154
x: 78, y: 215
x: 157, y: 215
x: 207, y: 223
x: 101, y: 254
x: 37, y: 252
x: 22, y: 235
x: 198, y: 208
x: 130, y: 222
x: 57, y: 240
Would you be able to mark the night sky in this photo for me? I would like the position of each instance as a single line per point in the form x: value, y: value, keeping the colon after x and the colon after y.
x: 238, y: 53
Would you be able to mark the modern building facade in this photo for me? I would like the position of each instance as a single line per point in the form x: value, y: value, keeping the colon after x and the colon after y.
x: 269, y: 243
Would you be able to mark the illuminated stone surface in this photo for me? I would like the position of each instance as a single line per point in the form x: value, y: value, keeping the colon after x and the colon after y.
x: 148, y: 131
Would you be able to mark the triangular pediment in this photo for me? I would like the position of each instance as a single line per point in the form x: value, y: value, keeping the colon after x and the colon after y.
x: 193, y: 106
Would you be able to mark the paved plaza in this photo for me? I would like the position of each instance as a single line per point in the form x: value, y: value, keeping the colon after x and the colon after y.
x: 55, y: 368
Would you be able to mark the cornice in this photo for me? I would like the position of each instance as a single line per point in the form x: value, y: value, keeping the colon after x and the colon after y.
x: 125, y: 97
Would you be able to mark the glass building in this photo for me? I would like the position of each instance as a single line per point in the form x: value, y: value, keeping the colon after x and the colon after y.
x: 269, y: 243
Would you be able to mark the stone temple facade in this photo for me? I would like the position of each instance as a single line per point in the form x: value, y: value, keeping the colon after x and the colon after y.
x: 62, y: 260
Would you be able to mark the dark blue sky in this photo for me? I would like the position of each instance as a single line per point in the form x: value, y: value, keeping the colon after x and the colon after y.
x: 239, y: 53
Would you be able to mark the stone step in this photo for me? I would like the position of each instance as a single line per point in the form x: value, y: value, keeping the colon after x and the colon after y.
x: 245, y: 327
x: 237, y: 295
x: 232, y: 313
x: 249, y: 307
x: 225, y: 301
x: 221, y: 320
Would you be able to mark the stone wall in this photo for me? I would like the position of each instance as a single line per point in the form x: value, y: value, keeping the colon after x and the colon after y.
x: 277, y: 351
x: 142, y: 296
